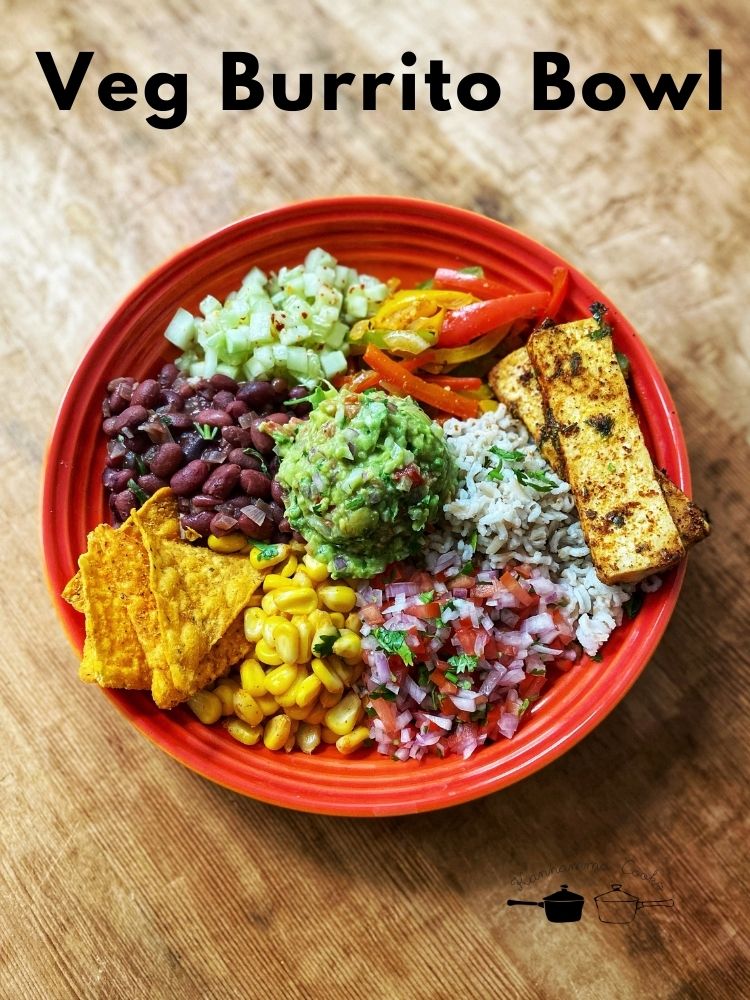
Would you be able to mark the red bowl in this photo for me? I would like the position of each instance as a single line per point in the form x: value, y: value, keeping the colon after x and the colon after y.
x: 385, y: 236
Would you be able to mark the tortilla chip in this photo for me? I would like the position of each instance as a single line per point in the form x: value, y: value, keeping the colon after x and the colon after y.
x: 199, y: 594
x: 112, y: 577
x: 73, y: 592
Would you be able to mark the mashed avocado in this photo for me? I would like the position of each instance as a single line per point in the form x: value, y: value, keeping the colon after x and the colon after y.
x: 363, y: 477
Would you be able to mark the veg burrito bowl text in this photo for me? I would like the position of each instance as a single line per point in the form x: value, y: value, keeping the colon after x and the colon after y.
x: 390, y: 515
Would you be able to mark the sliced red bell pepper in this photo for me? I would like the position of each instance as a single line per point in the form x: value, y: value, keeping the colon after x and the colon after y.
x: 462, y: 281
x: 560, y: 282
x: 461, y: 326
x: 400, y: 376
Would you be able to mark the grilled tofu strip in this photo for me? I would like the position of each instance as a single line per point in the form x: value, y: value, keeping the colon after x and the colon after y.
x: 514, y: 382
x: 624, y: 516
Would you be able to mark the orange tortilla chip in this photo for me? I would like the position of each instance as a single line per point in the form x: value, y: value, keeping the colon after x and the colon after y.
x: 112, y: 578
x: 73, y: 592
x: 199, y: 594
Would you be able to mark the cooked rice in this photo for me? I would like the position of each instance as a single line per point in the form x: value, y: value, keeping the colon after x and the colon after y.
x: 516, y: 523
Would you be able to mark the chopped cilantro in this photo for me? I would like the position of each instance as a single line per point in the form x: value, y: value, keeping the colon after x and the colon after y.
x: 464, y: 683
x: 394, y: 641
x: 207, y: 432
x: 508, y: 456
x: 597, y: 657
x: 266, y: 551
x: 436, y: 699
x: 598, y: 310
x: 141, y: 465
x: 429, y: 283
x: 449, y: 605
x: 257, y: 454
x: 137, y: 492
x: 463, y: 662
x: 468, y: 567
x: 634, y: 605
x: 423, y: 676
x: 474, y: 539
x: 534, y: 480
x: 383, y: 692
x: 494, y: 474
x: 324, y: 645
x: 624, y: 362
x: 427, y: 596
x: 611, y: 467
x: 315, y: 398
x: 451, y: 676
x: 523, y: 706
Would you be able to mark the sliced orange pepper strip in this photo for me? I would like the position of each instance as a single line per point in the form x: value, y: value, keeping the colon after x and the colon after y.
x: 399, y: 375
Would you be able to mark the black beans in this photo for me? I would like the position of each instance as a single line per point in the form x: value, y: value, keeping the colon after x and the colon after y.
x: 256, y: 394
x: 130, y: 417
x: 146, y: 393
x: 123, y: 503
x: 220, y: 381
x: 168, y: 374
x: 185, y: 419
x: 192, y: 444
x: 166, y: 460
x: 222, y: 481
x: 259, y: 531
x: 116, y: 480
x: 222, y: 399
x: 191, y: 478
x: 214, y: 418
x: 262, y: 441
x: 255, y: 484
x: 150, y: 483
x: 200, y: 522
x: 238, y: 456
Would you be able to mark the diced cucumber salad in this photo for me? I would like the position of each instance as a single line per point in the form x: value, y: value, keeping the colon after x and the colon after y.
x: 293, y: 324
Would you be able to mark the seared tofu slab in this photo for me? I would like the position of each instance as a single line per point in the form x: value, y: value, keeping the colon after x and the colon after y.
x: 514, y: 382
x: 623, y: 513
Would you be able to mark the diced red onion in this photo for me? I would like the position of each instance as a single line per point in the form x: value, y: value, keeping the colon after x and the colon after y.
x: 401, y: 589
x: 116, y: 448
x: 225, y: 522
x: 245, y: 420
x: 256, y: 515
x: 414, y: 690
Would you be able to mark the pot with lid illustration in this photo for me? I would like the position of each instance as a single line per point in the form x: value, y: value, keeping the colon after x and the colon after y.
x: 561, y: 907
x: 618, y: 906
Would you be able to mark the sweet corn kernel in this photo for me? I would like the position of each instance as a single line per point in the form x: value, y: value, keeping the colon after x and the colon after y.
x: 281, y: 678
x: 297, y: 601
x: 308, y: 737
x: 316, y: 714
x: 289, y: 697
x: 317, y: 571
x: 224, y: 691
x: 318, y: 619
x: 353, y: 740
x: 331, y: 681
x: 268, y: 603
x: 337, y: 619
x: 338, y: 598
x: 342, y: 718
x: 286, y: 640
x: 206, y: 706
x: 247, y: 708
x: 266, y: 654
x: 330, y: 698
x: 302, y: 579
x: 268, y: 704
x: 348, y: 645
x: 277, y: 732
x: 297, y: 713
x: 327, y: 735
x: 249, y: 735
x: 342, y: 669
x: 266, y: 556
x: 308, y: 690
x: 324, y: 638
x: 270, y: 625
x: 254, y: 621
x: 290, y: 566
x: 353, y: 622
x: 305, y: 632
x: 253, y: 678
x: 272, y: 581
x: 227, y: 543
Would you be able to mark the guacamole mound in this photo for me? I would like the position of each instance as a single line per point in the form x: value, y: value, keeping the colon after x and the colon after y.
x: 364, y: 475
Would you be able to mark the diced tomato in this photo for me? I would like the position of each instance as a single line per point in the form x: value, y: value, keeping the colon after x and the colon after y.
x: 424, y: 581
x: 431, y: 610
x: 386, y: 711
x: 531, y: 685
x: 467, y: 638
x: 457, y: 741
x: 410, y: 472
x: 370, y: 614
x: 462, y: 582
x: 523, y: 569
x: 523, y: 597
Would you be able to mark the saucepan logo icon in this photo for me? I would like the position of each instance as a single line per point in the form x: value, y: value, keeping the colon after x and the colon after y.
x: 619, y: 907
x: 561, y: 907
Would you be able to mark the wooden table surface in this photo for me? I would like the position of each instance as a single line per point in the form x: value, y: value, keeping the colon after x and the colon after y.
x: 125, y: 875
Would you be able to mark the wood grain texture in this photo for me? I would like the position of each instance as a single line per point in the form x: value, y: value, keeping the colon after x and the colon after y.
x: 124, y: 875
